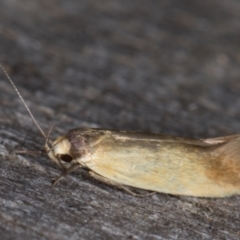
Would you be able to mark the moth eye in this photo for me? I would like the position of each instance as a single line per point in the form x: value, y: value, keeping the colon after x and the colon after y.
x: 66, y: 158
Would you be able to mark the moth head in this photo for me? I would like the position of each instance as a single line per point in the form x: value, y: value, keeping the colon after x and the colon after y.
x: 59, y: 151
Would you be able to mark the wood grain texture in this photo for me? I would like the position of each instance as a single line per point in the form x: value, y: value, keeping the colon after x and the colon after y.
x: 159, y: 66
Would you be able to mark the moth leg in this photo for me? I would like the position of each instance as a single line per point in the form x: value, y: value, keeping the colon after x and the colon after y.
x: 59, y: 161
x: 66, y: 172
x: 120, y: 186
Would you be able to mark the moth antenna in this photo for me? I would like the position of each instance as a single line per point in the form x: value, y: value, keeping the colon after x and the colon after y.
x: 48, y: 141
x: 24, y: 103
x: 50, y: 130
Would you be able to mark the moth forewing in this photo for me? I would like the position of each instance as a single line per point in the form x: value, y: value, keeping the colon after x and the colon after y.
x: 153, y: 162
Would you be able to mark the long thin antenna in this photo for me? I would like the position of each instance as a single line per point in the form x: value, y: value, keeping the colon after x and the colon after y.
x: 24, y: 103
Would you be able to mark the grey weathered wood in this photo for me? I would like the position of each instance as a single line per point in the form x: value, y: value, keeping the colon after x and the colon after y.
x: 159, y: 66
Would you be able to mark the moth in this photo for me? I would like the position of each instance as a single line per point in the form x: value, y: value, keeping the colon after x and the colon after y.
x: 159, y: 163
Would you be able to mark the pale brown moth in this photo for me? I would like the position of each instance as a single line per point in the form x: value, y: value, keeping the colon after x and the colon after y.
x: 159, y: 163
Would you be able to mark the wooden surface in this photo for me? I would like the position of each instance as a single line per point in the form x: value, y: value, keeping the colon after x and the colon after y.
x: 159, y: 66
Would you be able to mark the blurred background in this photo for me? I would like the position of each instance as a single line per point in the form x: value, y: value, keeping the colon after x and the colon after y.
x: 166, y: 66
x: 159, y: 66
